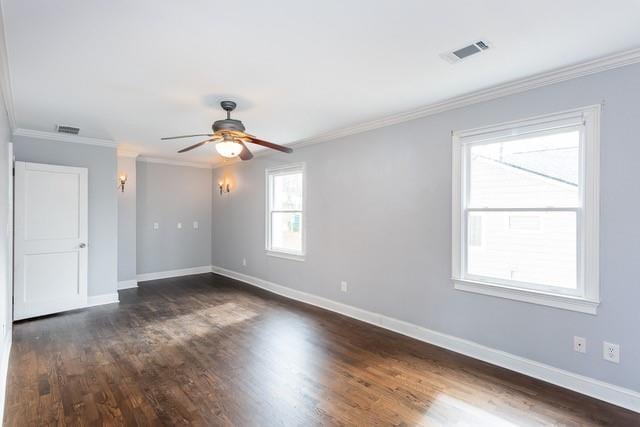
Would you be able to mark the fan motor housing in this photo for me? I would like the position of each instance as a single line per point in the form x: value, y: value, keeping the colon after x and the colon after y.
x: 228, y: 124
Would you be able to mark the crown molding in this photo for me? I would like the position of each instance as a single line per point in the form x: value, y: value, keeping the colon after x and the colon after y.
x: 56, y: 136
x: 166, y: 161
x: 558, y: 75
x: 125, y: 153
x: 505, y: 89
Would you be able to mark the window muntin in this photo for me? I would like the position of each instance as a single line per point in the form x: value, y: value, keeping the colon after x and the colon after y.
x: 532, y: 185
x: 285, y: 210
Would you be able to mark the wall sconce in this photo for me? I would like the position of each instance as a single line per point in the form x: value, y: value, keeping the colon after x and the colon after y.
x: 123, y: 181
x: 224, y: 188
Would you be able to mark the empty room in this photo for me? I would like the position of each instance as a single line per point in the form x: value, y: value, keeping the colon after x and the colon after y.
x: 337, y: 213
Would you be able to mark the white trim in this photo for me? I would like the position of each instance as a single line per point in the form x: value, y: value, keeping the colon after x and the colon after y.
x: 125, y: 153
x: 562, y: 119
x: 558, y: 75
x: 127, y: 284
x: 103, y: 299
x: 525, y: 295
x: 609, y: 62
x: 4, y: 369
x: 57, y: 136
x: 586, y: 298
x: 285, y: 255
x: 591, y: 203
x: 173, y: 273
x: 165, y: 161
x: 601, y: 390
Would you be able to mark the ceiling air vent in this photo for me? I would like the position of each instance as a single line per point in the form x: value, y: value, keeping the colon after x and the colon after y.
x: 67, y: 129
x: 465, y: 52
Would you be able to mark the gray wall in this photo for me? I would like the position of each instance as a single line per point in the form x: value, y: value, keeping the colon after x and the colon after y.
x: 103, y: 201
x: 6, y: 285
x: 168, y: 194
x: 127, y: 220
x: 379, y: 217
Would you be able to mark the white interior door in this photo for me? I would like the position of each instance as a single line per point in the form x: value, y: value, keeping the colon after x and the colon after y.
x: 50, y: 239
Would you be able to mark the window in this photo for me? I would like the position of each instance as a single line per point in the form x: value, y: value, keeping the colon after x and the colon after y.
x: 285, y: 212
x: 525, y: 210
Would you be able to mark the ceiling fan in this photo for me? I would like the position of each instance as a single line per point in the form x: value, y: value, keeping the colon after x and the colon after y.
x: 230, y: 137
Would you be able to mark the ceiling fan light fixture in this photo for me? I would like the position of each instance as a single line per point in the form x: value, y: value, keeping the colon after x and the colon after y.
x: 230, y: 137
x: 228, y: 148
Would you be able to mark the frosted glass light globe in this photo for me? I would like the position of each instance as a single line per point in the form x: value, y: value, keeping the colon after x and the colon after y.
x: 228, y: 148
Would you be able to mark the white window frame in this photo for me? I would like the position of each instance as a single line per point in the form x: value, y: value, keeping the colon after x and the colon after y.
x: 586, y: 299
x: 269, y: 174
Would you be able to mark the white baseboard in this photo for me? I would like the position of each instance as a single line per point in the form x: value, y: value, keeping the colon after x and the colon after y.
x: 173, y: 273
x: 94, y: 300
x: 616, y: 395
x: 127, y: 284
x: 4, y: 369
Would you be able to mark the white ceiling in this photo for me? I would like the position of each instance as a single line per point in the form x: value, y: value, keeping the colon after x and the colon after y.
x: 134, y: 71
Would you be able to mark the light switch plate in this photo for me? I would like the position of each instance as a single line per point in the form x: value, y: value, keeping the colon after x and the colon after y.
x: 156, y: 225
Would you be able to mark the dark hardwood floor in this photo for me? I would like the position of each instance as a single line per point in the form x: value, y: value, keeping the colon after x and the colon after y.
x: 207, y: 350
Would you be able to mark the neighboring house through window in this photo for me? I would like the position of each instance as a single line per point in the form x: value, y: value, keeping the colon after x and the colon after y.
x: 525, y: 210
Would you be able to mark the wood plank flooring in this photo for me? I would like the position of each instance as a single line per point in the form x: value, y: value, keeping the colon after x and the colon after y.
x: 207, y: 350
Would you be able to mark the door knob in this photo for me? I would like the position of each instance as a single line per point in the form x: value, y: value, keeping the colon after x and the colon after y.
x: 83, y: 245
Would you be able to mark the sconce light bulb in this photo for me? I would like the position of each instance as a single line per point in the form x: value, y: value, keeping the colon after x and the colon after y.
x: 123, y: 180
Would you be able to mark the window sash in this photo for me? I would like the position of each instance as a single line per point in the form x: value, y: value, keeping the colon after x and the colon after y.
x: 466, y: 193
x: 579, y: 291
x: 281, y: 249
x: 466, y: 159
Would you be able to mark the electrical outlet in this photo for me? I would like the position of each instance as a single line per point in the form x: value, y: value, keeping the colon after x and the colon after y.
x: 195, y: 224
x: 179, y: 225
x: 156, y: 226
x: 244, y: 262
x: 580, y: 344
x: 611, y: 352
x: 344, y: 287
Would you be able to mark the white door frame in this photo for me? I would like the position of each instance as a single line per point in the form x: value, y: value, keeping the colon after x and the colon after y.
x: 78, y: 243
x: 9, y: 292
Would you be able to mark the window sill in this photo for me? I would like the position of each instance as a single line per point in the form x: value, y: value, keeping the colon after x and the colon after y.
x: 285, y: 255
x: 565, y: 302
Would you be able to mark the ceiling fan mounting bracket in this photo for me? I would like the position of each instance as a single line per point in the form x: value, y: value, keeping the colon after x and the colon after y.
x: 228, y: 106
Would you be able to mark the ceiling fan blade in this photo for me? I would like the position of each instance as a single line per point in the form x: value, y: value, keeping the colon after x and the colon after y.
x: 186, y: 136
x: 268, y: 144
x: 245, y: 154
x: 191, y: 147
